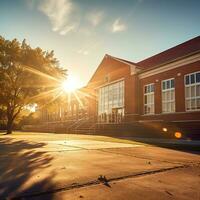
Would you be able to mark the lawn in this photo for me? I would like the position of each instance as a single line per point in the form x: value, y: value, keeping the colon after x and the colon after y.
x: 53, y: 137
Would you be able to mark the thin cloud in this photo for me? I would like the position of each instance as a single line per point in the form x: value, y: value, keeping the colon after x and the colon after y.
x: 95, y: 17
x: 58, y: 12
x: 83, y: 52
x: 67, y: 29
x: 118, y: 26
x: 89, y: 48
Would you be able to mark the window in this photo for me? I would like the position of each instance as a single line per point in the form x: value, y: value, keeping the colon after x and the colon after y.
x: 149, y: 99
x: 192, y: 91
x: 110, y: 101
x: 107, y: 78
x: 168, y: 96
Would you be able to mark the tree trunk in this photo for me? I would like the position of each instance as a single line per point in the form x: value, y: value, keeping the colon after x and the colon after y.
x: 9, y: 126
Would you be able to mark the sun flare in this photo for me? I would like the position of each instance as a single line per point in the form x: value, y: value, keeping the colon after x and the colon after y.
x: 70, y: 85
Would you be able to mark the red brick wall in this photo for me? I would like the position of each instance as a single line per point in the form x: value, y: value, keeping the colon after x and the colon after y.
x: 131, y: 98
x: 109, y: 66
x: 178, y: 75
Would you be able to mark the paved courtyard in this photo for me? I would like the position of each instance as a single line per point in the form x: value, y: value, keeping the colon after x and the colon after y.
x: 59, y: 166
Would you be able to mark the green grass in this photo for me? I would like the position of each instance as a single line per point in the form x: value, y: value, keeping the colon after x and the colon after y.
x: 53, y: 137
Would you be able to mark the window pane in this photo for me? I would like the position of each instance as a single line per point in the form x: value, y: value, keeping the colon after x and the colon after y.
x: 172, y: 95
x: 192, y: 76
x: 172, y: 83
x: 168, y: 107
x: 148, y: 99
x: 164, y: 96
x: 148, y: 109
x: 198, y: 90
x: 187, y: 92
x: 173, y: 107
x: 152, y: 99
x: 187, y: 82
x: 145, y: 89
x: 145, y: 99
x: 193, y: 104
x: 188, y: 102
x: 145, y: 109
x: 192, y: 91
x: 198, y: 77
x: 164, y: 107
x: 163, y: 85
x: 168, y: 96
x: 168, y: 84
x: 153, y: 108
x: 149, y: 88
x: 198, y: 103
x: 152, y: 88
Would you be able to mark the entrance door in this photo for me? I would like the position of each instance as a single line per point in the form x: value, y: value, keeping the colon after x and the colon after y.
x: 117, y: 115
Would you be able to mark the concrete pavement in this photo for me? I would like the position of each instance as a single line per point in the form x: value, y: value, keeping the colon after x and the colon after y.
x: 49, y: 166
x: 179, y: 184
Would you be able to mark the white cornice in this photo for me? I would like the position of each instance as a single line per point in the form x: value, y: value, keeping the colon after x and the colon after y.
x: 173, y: 65
x: 133, y: 68
x: 109, y: 83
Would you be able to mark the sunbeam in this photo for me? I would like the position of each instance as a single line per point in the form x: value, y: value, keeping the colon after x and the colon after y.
x: 37, y: 72
x: 78, y: 99
x: 43, y: 94
x: 90, y: 95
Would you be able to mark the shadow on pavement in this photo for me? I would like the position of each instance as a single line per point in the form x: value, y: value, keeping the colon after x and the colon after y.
x: 175, y: 144
x: 20, y: 165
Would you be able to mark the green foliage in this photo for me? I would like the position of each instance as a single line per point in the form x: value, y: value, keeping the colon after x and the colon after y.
x: 25, y: 72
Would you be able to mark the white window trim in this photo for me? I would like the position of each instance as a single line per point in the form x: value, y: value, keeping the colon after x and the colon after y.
x: 194, y: 84
x: 144, y: 99
x: 170, y: 101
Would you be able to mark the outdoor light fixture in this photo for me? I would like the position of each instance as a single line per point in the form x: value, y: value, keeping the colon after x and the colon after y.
x: 178, y: 135
x: 164, y: 129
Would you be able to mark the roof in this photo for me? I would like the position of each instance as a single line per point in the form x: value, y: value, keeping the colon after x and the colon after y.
x: 123, y: 60
x: 187, y: 48
x: 129, y: 63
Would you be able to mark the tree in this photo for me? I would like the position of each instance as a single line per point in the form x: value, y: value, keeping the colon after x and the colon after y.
x: 25, y: 73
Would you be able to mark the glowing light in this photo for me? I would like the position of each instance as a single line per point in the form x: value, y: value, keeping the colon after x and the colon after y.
x: 70, y: 85
x: 164, y: 129
x: 178, y: 135
x: 31, y: 107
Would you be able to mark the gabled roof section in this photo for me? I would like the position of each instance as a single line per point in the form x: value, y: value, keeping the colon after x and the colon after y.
x: 124, y: 61
x: 182, y: 50
x: 130, y: 64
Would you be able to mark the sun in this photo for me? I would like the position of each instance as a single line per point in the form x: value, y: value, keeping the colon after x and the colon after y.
x: 70, y: 84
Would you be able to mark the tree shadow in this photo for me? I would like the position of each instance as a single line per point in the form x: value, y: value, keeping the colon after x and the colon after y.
x: 21, y: 165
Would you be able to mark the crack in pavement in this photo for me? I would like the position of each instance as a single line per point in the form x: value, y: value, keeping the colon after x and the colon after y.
x: 106, y: 150
x: 97, y: 182
x: 141, y: 157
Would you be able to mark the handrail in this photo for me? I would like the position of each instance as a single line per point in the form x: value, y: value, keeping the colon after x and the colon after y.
x: 86, y: 120
x: 75, y: 123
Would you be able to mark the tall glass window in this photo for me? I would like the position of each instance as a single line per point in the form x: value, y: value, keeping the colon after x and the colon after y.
x: 168, y: 96
x: 192, y: 91
x: 111, y: 103
x: 149, y: 99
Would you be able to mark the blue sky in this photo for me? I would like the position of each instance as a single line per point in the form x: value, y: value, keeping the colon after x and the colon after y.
x: 81, y: 32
